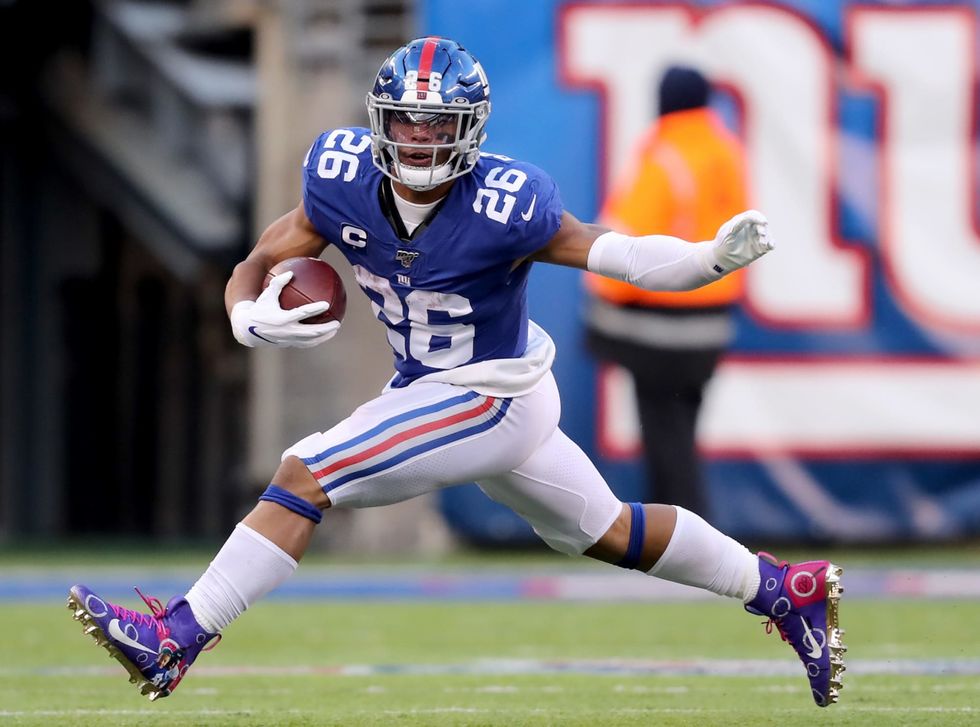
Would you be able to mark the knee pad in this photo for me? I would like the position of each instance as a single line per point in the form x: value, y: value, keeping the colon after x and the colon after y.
x: 292, y: 502
x: 581, y: 523
x: 561, y: 543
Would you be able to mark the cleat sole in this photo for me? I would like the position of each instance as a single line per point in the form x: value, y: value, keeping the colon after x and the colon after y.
x: 92, y: 629
x: 834, y: 632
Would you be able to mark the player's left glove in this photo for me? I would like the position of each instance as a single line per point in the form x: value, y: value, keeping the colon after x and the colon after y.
x: 744, y: 238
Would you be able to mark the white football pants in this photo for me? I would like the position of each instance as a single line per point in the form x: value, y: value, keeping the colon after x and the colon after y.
x: 431, y: 435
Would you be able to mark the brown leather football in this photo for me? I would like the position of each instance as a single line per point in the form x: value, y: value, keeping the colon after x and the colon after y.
x: 313, y: 280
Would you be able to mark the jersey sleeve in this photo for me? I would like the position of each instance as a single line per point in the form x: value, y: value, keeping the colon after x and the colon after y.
x: 314, y: 195
x: 332, y: 169
x: 537, y: 212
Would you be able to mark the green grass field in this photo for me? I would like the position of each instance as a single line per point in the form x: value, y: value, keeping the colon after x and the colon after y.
x: 501, y: 663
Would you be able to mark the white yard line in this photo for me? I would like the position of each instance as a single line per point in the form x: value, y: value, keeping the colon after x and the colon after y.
x: 512, y: 667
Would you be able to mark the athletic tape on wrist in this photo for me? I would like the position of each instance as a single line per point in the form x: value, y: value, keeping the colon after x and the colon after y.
x: 638, y: 528
x: 292, y: 502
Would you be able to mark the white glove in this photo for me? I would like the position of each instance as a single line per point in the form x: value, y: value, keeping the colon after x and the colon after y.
x: 263, y: 322
x: 744, y: 238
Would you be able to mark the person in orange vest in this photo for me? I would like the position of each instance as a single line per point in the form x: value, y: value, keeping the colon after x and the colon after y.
x: 688, y: 176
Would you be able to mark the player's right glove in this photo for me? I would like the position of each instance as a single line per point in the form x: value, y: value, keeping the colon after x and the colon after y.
x: 263, y: 322
x: 744, y: 238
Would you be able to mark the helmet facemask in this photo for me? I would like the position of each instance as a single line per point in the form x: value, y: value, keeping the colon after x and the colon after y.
x: 422, y: 144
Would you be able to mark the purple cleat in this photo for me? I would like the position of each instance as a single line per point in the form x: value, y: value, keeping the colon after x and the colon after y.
x: 801, y: 600
x: 156, y: 648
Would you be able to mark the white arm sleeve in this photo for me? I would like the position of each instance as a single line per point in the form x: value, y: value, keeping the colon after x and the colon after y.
x: 653, y: 262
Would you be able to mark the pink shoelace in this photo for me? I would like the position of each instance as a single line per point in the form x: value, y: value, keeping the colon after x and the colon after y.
x: 773, y: 622
x: 154, y: 618
x: 779, y: 627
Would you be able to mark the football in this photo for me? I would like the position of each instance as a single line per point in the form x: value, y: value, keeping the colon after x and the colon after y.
x: 313, y: 280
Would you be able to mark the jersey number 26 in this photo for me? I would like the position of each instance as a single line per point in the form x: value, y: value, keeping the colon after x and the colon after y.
x: 436, y: 345
x: 494, y: 200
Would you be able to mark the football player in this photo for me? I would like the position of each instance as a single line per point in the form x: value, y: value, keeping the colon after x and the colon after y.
x: 441, y: 237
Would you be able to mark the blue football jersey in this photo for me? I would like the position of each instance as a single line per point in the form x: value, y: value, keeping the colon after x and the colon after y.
x: 453, y: 294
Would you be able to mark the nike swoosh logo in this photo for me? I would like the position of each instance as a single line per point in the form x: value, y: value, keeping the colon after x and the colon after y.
x: 815, y: 649
x: 122, y: 637
x: 526, y: 216
x: 251, y: 329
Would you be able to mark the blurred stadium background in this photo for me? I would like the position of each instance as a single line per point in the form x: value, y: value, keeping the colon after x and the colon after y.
x: 144, y: 144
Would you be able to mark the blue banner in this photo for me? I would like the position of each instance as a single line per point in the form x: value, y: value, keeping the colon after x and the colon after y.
x: 849, y: 406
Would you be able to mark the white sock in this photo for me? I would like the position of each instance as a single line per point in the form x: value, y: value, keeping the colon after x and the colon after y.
x: 247, y: 567
x: 699, y: 555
